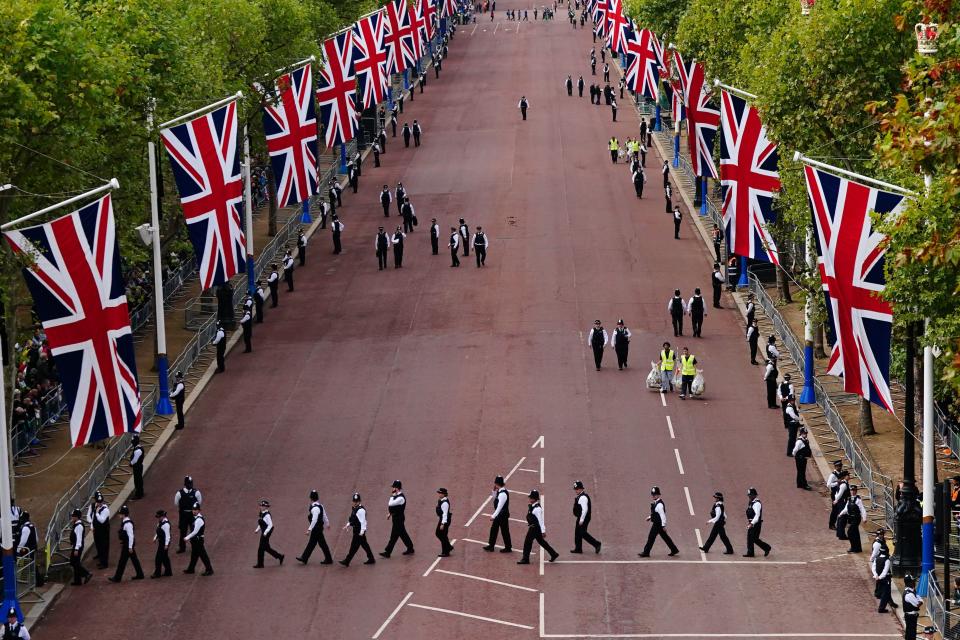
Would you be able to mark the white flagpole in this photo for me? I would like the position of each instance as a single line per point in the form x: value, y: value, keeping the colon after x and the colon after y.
x: 6, y: 519
x: 163, y: 406
x: 209, y: 107
x: 113, y: 184
x: 799, y: 157
x: 248, y: 211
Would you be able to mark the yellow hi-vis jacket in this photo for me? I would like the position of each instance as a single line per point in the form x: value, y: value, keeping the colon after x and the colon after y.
x: 686, y: 366
x: 666, y: 360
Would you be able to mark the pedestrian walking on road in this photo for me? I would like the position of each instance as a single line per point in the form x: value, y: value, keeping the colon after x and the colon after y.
x: 770, y: 378
x: 98, y: 515
x: 443, y: 523
x: 718, y: 518
x: 677, y: 308
x: 753, y: 337
x: 273, y: 281
x: 620, y: 341
x: 198, y: 544
x: 688, y: 370
x: 434, y: 237
x: 128, y: 551
x: 265, y: 529
x: 77, y: 534
x: 358, y: 523
x: 500, y: 519
x: 408, y: 215
x: 385, y: 200
x: 417, y: 132
x: 381, y: 244
x: 568, y: 83
x: 853, y: 513
x: 717, y: 280
x: 580, y: 88
x: 336, y: 227
x: 400, y: 195
x: 454, y: 244
x: 697, y: 310
x: 755, y: 525
x: 464, y: 237
x: 406, y: 133
x: 582, y: 513
x: 667, y: 357
x: 597, y: 339
x: 639, y: 178
x: 162, y: 536
x: 658, y: 525
x: 536, y: 530
x: 136, y: 466
x: 480, y: 244
x: 317, y: 522
x: 802, y: 453
x: 397, y: 243
x: 396, y: 514
x: 523, y: 105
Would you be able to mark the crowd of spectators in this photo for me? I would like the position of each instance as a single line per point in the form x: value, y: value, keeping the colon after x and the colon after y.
x: 36, y: 377
x: 139, y: 278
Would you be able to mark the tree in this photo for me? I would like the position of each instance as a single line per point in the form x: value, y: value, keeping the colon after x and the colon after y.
x: 660, y: 15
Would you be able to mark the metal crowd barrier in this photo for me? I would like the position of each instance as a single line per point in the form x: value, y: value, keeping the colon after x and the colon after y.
x: 24, y: 436
x: 26, y: 573
x: 946, y: 621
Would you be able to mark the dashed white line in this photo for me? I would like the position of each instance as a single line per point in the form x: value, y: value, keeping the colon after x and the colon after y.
x: 663, y: 399
x: 433, y: 566
x: 670, y: 427
x: 470, y: 615
x: 470, y: 577
x: 676, y: 452
x: 496, y: 27
x: 703, y: 555
x: 490, y: 515
x: 686, y: 492
x: 533, y: 553
x: 541, y: 470
x: 392, y: 615
x: 483, y: 506
x: 530, y: 470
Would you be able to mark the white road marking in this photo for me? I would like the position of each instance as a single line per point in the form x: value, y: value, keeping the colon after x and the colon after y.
x: 392, y: 615
x: 468, y: 576
x: 676, y: 452
x: 482, y: 506
x: 703, y: 555
x: 670, y: 427
x: 539, y: 443
x: 490, y: 515
x: 663, y: 399
x: 542, y: 506
x: 496, y: 27
x: 530, y: 470
x: 711, y: 562
x: 686, y: 491
x: 472, y: 616
x: 533, y: 553
x: 431, y: 567
x: 520, y: 493
x: 541, y: 470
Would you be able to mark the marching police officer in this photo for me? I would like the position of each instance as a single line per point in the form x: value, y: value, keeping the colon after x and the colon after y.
x: 500, y: 520
x: 397, y: 243
x: 162, y: 536
x: 336, y: 227
x: 98, y: 515
x: 464, y: 237
x: 911, y: 608
x: 716, y: 279
x: 454, y: 244
x: 434, y: 236
x: 536, y: 530
x: 246, y: 323
x: 882, y: 573
x: 854, y: 513
x: 523, y: 105
x: 185, y: 500
x: 358, y: 522
x: 718, y: 518
x: 381, y: 243
x: 802, y: 453
x: 443, y: 522
x: 755, y: 525
x: 620, y: 341
x: 396, y: 507
x: 220, y: 342
x: 597, y: 339
x: 658, y: 525
x: 265, y: 529
x: 639, y: 178
x: 318, y: 521
x: 400, y: 194
x: 385, y: 200
x: 273, y: 281
x: 177, y: 395
x: 582, y: 512
x: 697, y: 311
x: 480, y: 243
x: 12, y: 629
x: 198, y: 545
x: 417, y: 129
x: 259, y: 297
x: 77, y: 533
x: 288, y: 269
x: 302, y: 247
x: 127, y: 549
x: 136, y: 466
x: 677, y: 308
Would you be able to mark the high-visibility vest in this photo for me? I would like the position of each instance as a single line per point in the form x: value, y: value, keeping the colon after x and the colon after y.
x: 686, y: 366
x: 614, y: 146
x: 666, y: 360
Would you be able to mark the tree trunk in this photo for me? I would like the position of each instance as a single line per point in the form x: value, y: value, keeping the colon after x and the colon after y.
x: 272, y: 195
x: 818, y: 351
x: 866, y: 418
x: 783, y: 287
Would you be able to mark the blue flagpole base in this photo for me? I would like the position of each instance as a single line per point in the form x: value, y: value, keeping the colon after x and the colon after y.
x: 656, y: 122
x: 704, y: 208
x: 390, y: 94
x: 676, y: 151
x: 809, y: 394
x: 164, y: 408
x: 926, y: 564
x: 251, y: 276
x: 343, y: 157
x: 10, y: 584
x: 743, y: 282
x: 406, y: 79
x: 305, y: 216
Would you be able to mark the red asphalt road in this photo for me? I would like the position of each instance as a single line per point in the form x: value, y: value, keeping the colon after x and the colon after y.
x: 446, y: 377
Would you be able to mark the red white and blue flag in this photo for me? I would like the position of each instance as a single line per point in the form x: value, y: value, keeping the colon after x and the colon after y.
x: 448, y: 8
x: 678, y: 86
x: 642, y: 66
x: 749, y: 178
x: 337, y: 90
x: 599, y: 15
x: 616, y: 27
x: 850, y: 257
x: 370, y: 58
x: 78, y: 294
x: 205, y: 158
x: 398, y: 37
x: 290, y: 125
x: 425, y: 14
x: 702, y: 122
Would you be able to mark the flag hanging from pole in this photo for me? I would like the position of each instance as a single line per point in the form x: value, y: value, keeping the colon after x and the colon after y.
x: 702, y: 122
x: 78, y: 294
x: 337, y: 90
x: 642, y: 67
x: 398, y: 37
x: 616, y: 27
x: 370, y: 59
x: 850, y: 258
x: 290, y: 125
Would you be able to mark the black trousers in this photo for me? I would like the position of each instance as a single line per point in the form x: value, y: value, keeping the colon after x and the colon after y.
x: 381, y: 259
x: 570, y: 90
x: 198, y: 551
x: 79, y: 571
x: 358, y: 542
x: 792, y: 428
x: 580, y: 534
x: 302, y: 255
x: 677, y: 324
x: 376, y: 159
x: 523, y: 112
x: 435, y: 244
x: 801, y: 462
x: 753, y: 539
x: 416, y: 138
x: 772, y: 393
x: 184, y: 523
x: 454, y: 257
x: 716, y: 292
x: 408, y: 224
x: 137, y: 480
x: 247, y: 336
x: 481, y: 253
x: 622, y: 352
x: 443, y: 535
x: 386, y: 209
x: 161, y: 562
x: 127, y: 554
x: 910, y: 626
x: 686, y: 385
x: 221, y: 353
x: 316, y: 539
x: 534, y: 534
x: 288, y: 278
x: 465, y: 243
x: 853, y: 535
x: 398, y: 531
x: 696, y: 319
x: 500, y: 525
x: 657, y: 530
x: 834, y: 512
x: 638, y: 187
x: 101, y: 542
x: 719, y: 530
x: 258, y: 306
x: 883, y: 592
x: 597, y: 356
x: 397, y: 256
x: 265, y: 548
x: 669, y: 205
x: 406, y: 137
x: 580, y: 91
x: 336, y: 243
x: 676, y: 228
x: 274, y: 294
x: 753, y: 352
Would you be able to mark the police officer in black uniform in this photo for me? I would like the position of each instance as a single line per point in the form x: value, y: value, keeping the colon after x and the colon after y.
x: 536, y: 530
x: 358, y: 522
x: 597, y: 340
x: 162, y: 536
x: 382, y: 243
x: 385, y: 200
x: 99, y: 516
x: 658, y: 525
x: 582, y: 513
x: 177, y: 395
x: 621, y: 343
x: 273, y: 281
x: 802, y: 453
x: 676, y: 308
x: 128, y: 549
x: 443, y: 522
x: 77, y: 534
x: 185, y: 500
x: 396, y: 507
x: 480, y: 247
x: 265, y: 530
x: 13, y: 630
x: 288, y: 267
x: 317, y: 519
x: 755, y: 525
x: 27, y: 543
x: 882, y: 573
x: 435, y: 237
x: 220, y: 341
x: 697, y: 311
x: 136, y: 466
x: 911, y: 608
x: 718, y: 518
x: 246, y: 324
x: 500, y: 520
x: 259, y: 297
x: 301, y: 246
x: 198, y: 545
x: 464, y: 231
x: 336, y: 227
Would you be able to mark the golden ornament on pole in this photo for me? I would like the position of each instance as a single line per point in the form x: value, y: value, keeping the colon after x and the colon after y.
x: 927, y: 37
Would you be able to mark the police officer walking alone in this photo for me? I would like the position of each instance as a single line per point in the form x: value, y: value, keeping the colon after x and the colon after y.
x: 718, y: 518
x: 381, y: 243
x: 597, y: 340
x: 658, y: 525
x: 523, y: 105
x: 500, y: 520
x: 127, y: 549
x: 911, y: 608
x: 755, y: 525
x: 582, y: 512
x: 536, y: 530
x: 397, y: 243
x: 358, y: 522
x: 443, y: 523
x: 136, y: 466
x: 318, y: 521
x: 265, y: 529
x: 396, y: 507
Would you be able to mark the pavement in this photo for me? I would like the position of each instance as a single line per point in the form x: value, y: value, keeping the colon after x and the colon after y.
x: 447, y: 377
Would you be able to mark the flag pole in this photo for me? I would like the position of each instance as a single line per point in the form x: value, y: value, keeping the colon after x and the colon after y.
x: 112, y: 184
x: 296, y: 65
x: 740, y: 92
x: 927, y: 528
x: 248, y: 212
x: 209, y: 107
x: 6, y: 520
x: 809, y: 394
x: 799, y: 157
x: 163, y: 406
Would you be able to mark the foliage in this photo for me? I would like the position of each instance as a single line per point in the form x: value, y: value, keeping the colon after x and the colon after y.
x: 660, y: 15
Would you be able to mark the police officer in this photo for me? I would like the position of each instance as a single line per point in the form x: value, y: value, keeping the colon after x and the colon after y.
x: 667, y: 357
x: 597, y: 340
x: 162, y: 536
x: 220, y: 342
x: 336, y: 227
x: 840, y: 494
x: 755, y: 525
x: 98, y: 515
x: 718, y: 518
x: 259, y: 297
x: 185, y: 500
x: 464, y: 231
x: 854, y: 513
x: 785, y: 393
x: 697, y: 311
x: 246, y: 323
x: 177, y: 395
x: 500, y: 520
x: 12, y: 629
x: 127, y: 549
x: 582, y: 513
x: 416, y: 128
x: 353, y: 176
x: 772, y: 352
x: 318, y: 521
x: 273, y: 281
x: 717, y: 280
x: 911, y: 608
x: 302, y: 247
x: 791, y: 422
x: 770, y: 378
x: 454, y: 244
x: 443, y: 522
x: 397, y: 243
x: 677, y: 218
x: 77, y: 534
x: 385, y: 200
x: 393, y: 116
x: 688, y: 370
x: 620, y: 341
x: 265, y: 529
x: 136, y: 466
x: 802, y: 453
x: 480, y: 244
x: 658, y: 525
x: 639, y: 178
x: 288, y: 268
x: 396, y: 508
x: 536, y: 530
x: 568, y: 83
x: 677, y: 308
x: 668, y: 196
x: 400, y: 194
x: 382, y: 138
x: 523, y: 105
x: 408, y: 215
x: 27, y: 543
x: 358, y: 522
x: 198, y: 545
x: 882, y: 572
x: 751, y: 310
x: 434, y: 236
x: 381, y: 243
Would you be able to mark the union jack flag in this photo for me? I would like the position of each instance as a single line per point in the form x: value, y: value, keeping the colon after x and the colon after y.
x: 702, y: 122
x: 599, y: 15
x: 642, y: 65
x: 290, y: 125
x: 448, y: 8
x: 206, y: 166
x: 78, y: 294
x: 681, y: 71
x: 370, y: 59
x: 850, y: 258
x: 748, y: 179
x: 425, y: 13
x: 398, y: 37
x: 337, y: 91
x: 616, y: 27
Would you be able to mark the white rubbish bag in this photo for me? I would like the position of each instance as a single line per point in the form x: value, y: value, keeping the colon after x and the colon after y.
x: 653, y: 378
x: 677, y: 378
x: 697, y: 386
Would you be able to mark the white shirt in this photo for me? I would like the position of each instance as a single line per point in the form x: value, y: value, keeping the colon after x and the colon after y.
x: 218, y: 336
x: 398, y: 237
x: 613, y: 338
x: 137, y: 456
x: 177, y: 391
x: 773, y: 351
x: 376, y: 241
x: 590, y: 337
x: 303, y: 240
x: 127, y: 526
x: 362, y: 517
x: 23, y: 634
x: 792, y: 413
x: 288, y: 262
x: 102, y: 514
x: 315, y: 510
x: 770, y: 372
x: 720, y: 513
x: 504, y: 498
x: 690, y: 303
x: 165, y: 527
x: 798, y: 445
x: 246, y: 317
x: 197, y: 523
x: 267, y: 520
x: 417, y: 129
x: 444, y: 511
x: 462, y: 229
x: 784, y: 398
x: 662, y: 512
x: 386, y: 193
x: 859, y: 502
x: 274, y: 276
x: 24, y: 537
x: 832, y: 480
x: 884, y: 573
x: 435, y: 230
x: 196, y: 496
x: 584, y: 503
x: 454, y: 240
x: 757, y: 510
x: 875, y: 550
x: 912, y: 598
x: 520, y: 104
x: 750, y: 331
x: 486, y: 239
x: 670, y: 304
x: 841, y: 491
x: 718, y: 276
x: 261, y: 294
x: 538, y: 514
x: 397, y: 500
x: 78, y: 532
x: 337, y: 226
